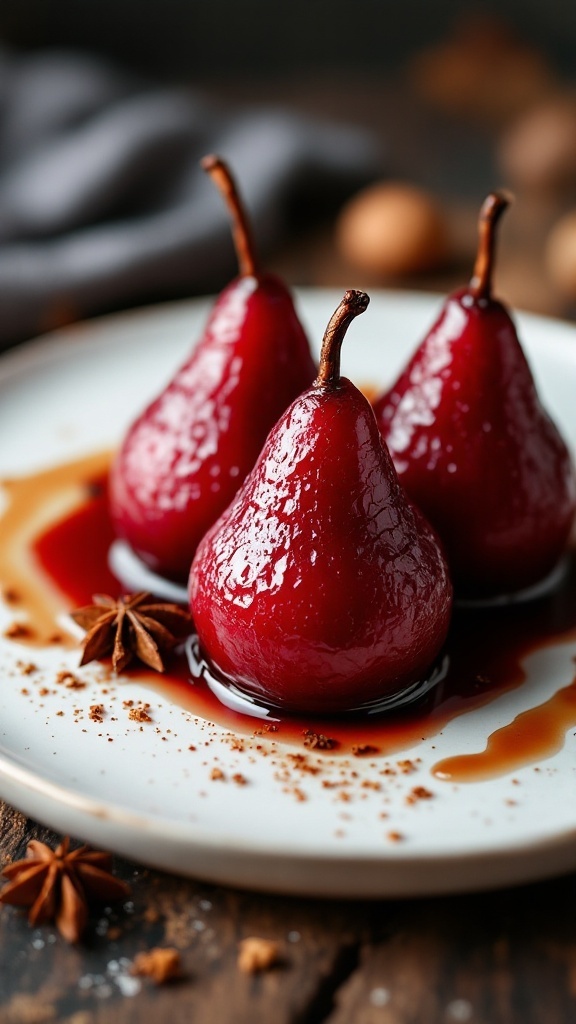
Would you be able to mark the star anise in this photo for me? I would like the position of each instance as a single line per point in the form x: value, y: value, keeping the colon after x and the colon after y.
x: 57, y: 885
x: 134, y: 626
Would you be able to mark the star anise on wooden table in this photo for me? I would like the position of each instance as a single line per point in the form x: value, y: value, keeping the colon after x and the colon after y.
x: 58, y: 885
x: 134, y: 626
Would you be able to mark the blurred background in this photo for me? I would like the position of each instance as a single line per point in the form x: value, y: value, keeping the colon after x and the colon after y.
x: 364, y: 137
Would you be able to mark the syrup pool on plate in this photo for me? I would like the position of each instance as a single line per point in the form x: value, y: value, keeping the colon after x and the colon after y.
x: 54, y: 557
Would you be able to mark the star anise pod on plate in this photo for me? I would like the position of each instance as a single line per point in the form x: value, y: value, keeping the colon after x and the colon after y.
x: 58, y: 885
x: 134, y: 626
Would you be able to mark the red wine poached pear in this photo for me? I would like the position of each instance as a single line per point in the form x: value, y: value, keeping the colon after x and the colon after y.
x: 186, y: 455
x: 474, y: 447
x: 322, y: 588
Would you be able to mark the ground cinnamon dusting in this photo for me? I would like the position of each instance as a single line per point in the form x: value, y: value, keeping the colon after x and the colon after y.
x: 418, y: 793
x: 18, y: 631
x: 159, y: 964
x: 139, y: 715
x: 26, y: 668
x: 364, y: 749
x: 299, y: 794
x: 317, y: 741
x: 96, y: 713
x: 70, y: 681
x: 395, y: 837
x: 256, y: 954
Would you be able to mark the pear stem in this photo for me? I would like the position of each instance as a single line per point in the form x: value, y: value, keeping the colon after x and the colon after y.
x: 241, y: 228
x: 492, y: 209
x: 353, y: 303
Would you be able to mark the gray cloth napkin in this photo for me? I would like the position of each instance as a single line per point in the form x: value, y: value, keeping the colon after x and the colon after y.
x: 103, y: 203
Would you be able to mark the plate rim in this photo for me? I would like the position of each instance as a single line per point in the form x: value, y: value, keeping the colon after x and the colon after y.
x: 453, y: 872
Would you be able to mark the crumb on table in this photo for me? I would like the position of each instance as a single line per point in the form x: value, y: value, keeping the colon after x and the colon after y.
x: 256, y: 954
x: 161, y: 964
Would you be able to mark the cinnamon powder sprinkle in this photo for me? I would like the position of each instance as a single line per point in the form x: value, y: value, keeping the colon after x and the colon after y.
x: 418, y: 793
x: 26, y: 668
x: 139, y: 715
x: 299, y: 794
x: 70, y: 681
x: 96, y: 713
x: 317, y: 741
x: 364, y: 749
x: 161, y: 964
x: 217, y: 774
x: 237, y: 743
x: 19, y: 631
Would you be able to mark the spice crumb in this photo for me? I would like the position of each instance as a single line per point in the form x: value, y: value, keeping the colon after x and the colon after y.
x: 256, y: 954
x: 159, y: 964
x: 418, y: 793
x: 70, y: 681
x: 217, y: 775
x: 139, y: 715
x: 26, y: 668
x: 96, y: 713
x: 364, y: 749
x: 318, y: 741
x: 395, y: 837
x: 18, y: 631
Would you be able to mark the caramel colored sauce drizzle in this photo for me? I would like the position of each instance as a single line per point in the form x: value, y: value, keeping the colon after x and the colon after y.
x: 54, y: 538
x: 532, y: 736
x: 34, y: 504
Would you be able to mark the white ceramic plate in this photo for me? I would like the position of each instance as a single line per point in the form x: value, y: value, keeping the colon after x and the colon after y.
x: 145, y: 794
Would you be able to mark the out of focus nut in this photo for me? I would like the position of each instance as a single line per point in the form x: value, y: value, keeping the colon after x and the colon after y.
x: 391, y: 229
x: 539, y: 150
x: 561, y: 255
x: 256, y: 954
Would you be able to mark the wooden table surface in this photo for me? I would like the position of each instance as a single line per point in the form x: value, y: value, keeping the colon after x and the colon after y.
x: 506, y: 957
x: 490, y: 958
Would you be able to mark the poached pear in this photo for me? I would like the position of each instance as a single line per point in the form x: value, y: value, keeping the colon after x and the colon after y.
x: 473, y: 445
x: 322, y: 589
x: 186, y: 455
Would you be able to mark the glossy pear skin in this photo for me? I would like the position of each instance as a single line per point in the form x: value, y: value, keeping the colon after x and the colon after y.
x: 321, y: 588
x: 477, y: 452
x: 187, y: 454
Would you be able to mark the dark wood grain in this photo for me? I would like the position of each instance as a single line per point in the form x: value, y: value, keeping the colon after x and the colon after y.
x: 500, y: 958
